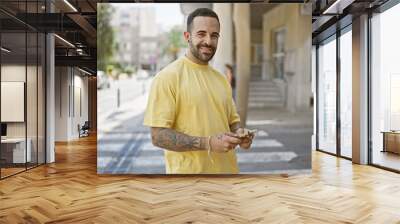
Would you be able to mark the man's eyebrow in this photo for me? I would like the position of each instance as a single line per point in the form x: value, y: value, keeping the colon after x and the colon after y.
x: 203, y: 31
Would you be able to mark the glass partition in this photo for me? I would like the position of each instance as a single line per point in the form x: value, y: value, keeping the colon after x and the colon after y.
x: 22, y: 88
x: 41, y: 89
x: 14, y: 151
x: 327, y: 96
x: 385, y: 89
x: 32, y: 95
x: 346, y: 93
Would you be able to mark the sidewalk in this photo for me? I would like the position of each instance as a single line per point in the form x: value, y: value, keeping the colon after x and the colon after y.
x: 110, y: 121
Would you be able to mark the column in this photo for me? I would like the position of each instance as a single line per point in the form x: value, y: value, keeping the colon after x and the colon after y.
x: 50, y: 98
x: 224, y: 54
x: 241, y: 18
x: 360, y: 90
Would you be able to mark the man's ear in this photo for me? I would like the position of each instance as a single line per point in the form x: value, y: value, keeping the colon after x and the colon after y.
x: 186, y: 35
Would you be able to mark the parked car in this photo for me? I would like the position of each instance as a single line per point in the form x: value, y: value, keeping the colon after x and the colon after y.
x: 102, y: 80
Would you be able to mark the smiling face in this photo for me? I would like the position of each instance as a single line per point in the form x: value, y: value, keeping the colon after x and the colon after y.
x: 203, y: 39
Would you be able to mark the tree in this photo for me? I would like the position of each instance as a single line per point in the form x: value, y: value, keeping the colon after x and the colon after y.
x: 105, y: 37
x: 175, y: 42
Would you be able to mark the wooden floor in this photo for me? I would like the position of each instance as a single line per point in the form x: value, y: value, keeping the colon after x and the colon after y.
x: 387, y: 159
x: 70, y: 191
x: 10, y: 171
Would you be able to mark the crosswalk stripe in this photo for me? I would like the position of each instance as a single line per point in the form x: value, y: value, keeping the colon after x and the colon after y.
x: 257, y: 143
x: 149, y: 161
x: 262, y: 133
x: 250, y: 157
x: 158, y: 159
x: 262, y: 122
x: 266, y: 143
x: 265, y: 157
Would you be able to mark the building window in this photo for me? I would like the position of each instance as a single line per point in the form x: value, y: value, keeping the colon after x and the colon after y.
x: 346, y: 94
x: 385, y: 89
x: 279, y: 52
x: 327, y: 95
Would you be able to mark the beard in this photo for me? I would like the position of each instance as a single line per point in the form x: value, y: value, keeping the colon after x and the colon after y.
x: 196, y: 52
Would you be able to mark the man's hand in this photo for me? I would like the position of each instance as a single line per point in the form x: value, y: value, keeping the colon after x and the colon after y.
x: 246, y: 137
x: 224, y: 142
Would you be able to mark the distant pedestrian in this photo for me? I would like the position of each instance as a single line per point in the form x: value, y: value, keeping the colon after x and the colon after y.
x: 231, y: 78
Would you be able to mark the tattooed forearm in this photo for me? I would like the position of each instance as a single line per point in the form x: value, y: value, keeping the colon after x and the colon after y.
x: 235, y: 126
x: 175, y: 141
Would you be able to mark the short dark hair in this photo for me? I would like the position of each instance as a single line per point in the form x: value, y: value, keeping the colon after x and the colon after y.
x: 199, y: 12
x: 228, y: 66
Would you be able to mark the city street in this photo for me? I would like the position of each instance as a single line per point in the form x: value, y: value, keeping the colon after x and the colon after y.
x: 282, y: 143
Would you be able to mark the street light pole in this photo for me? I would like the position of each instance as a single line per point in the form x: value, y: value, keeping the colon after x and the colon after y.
x: 118, y: 97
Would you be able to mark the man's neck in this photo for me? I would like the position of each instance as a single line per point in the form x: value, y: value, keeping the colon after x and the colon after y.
x: 194, y: 59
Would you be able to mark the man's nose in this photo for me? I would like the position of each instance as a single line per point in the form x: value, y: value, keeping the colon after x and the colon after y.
x: 207, y: 39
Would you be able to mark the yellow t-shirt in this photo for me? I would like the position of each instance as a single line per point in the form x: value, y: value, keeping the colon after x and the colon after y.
x: 195, y: 100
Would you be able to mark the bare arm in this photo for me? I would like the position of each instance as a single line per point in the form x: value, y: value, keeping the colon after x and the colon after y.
x: 235, y: 126
x: 170, y: 139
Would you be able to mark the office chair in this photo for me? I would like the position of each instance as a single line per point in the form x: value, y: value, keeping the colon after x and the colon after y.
x: 84, y: 130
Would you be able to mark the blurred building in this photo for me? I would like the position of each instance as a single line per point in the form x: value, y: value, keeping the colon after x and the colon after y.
x: 266, y: 44
x: 136, y: 35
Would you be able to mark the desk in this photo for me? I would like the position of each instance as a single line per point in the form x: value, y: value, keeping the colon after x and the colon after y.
x: 391, y: 141
x: 16, y: 147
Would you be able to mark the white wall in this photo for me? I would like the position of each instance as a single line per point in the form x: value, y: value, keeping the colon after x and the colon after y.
x: 82, y: 83
x: 11, y: 73
x: 33, y: 125
x: 14, y: 73
x: 61, y: 103
x: 12, y: 101
x: 71, y: 87
x: 80, y: 100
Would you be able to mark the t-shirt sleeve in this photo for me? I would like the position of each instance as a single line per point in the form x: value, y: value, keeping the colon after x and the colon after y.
x: 233, y: 116
x: 161, y: 105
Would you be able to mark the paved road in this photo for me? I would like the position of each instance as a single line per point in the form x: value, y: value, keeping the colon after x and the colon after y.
x: 282, y: 145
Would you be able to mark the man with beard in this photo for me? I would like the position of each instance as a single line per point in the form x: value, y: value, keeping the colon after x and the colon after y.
x: 190, y: 108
